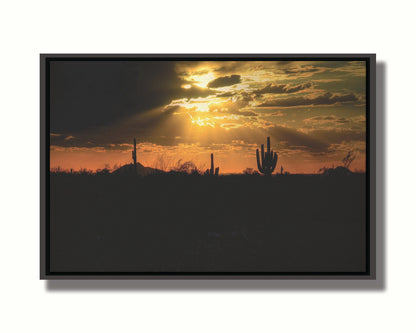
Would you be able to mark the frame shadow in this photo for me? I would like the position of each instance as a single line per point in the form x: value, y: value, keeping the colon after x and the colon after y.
x: 312, y: 285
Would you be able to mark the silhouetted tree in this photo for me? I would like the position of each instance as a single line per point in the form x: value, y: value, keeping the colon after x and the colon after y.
x: 187, y: 167
x: 250, y: 171
x: 347, y: 160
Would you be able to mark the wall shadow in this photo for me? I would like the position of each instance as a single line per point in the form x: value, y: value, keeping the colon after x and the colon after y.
x: 377, y: 285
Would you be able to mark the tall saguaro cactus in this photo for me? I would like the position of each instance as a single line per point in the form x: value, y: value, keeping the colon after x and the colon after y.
x: 212, y: 171
x: 134, y: 155
x: 268, y: 159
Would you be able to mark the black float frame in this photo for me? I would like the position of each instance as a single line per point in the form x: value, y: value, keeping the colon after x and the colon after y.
x: 369, y: 274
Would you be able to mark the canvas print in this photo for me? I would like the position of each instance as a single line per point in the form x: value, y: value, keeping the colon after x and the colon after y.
x: 206, y: 166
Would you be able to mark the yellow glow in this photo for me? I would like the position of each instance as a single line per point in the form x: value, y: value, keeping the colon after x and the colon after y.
x: 201, y: 122
x: 186, y: 86
x: 202, y: 80
x: 201, y: 107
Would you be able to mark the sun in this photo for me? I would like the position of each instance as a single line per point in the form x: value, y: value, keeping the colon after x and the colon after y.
x: 202, y: 80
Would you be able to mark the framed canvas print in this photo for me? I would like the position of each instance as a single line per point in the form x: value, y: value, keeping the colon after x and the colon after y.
x: 207, y: 166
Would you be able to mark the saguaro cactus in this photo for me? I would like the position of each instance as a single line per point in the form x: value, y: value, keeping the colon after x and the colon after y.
x: 268, y: 160
x: 134, y: 155
x: 212, y: 171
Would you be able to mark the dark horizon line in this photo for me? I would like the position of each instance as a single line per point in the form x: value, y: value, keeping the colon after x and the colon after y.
x: 58, y: 169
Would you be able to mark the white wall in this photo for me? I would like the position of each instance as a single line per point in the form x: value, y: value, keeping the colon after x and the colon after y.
x: 28, y: 28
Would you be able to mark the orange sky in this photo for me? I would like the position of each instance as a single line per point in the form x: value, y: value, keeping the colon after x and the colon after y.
x: 229, y: 161
x: 314, y: 113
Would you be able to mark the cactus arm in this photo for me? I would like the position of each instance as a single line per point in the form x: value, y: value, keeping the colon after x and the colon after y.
x: 268, y: 146
x: 258, y: 161
x: 274, y: 162
x: 262, y: 156
x: 217, y: 170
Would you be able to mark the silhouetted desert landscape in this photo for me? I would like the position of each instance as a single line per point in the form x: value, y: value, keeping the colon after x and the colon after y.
x: 197, y: 223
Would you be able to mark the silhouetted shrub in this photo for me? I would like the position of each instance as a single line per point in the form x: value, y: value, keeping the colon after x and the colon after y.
x: 250, y: 171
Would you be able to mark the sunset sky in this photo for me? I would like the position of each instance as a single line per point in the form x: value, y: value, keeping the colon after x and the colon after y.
x: 313, y: 111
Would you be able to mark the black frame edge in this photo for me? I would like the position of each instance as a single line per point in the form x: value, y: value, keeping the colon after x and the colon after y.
x: 371, y: 143
x: 42, y: 66
x: 370, y: 274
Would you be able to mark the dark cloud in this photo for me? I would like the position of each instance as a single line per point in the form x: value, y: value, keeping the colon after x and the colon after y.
x: 326, y: 99
x: 89, y: 94
x: 282, y: 89
x: 224, y: 81
x: 331, y: 119
x: 242, y: 95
